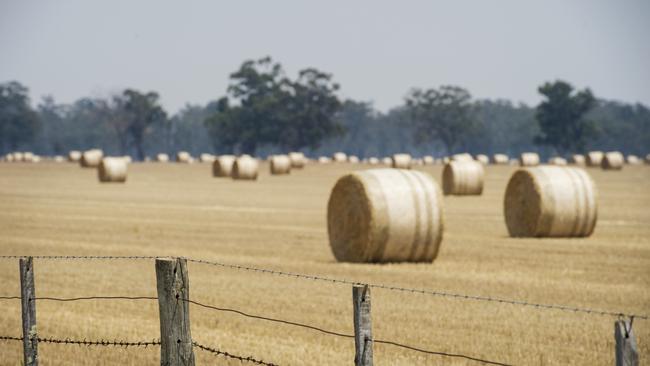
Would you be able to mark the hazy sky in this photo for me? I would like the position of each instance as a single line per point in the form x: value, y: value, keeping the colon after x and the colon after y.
x: 377, y: 50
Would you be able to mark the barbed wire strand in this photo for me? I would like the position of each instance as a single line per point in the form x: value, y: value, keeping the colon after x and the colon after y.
x: 538, y: 306
x: 230, y: 355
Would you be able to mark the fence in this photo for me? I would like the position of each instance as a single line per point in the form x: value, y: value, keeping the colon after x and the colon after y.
x: 176, y: 344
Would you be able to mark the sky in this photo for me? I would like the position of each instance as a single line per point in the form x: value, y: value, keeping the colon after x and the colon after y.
x: 376, y: 50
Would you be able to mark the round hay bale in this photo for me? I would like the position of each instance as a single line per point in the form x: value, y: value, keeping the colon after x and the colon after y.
x: 462, y: 157
x: 428, y: 160
x: 297, y: 160
x: 10, y: 158
x: 373, y: 160
x: 401, y: 161
x: 387, y: 161
x: 577, y: 159
x: 550, y: 201
x: 612, y: 160
x: 35, y: 159
x: 483, y: 159
x: 647, y: 159
x: 556, y: 160
x: 184, y: 157
x: 324, y: 160
x: 245, y: 168
x: 500, y: 159
x: 18, y: 157
x: 28, y: 157
x: 206, y: 158
x: 594, y: 158
x: 528, y: 159
x: 74, y: 156
x: 162, y: 158
x: 222, y: 166
x: 385, y: 215
x: 339, y: 157
x: 91, y: 158
x: 463, y: 178
x: 353, y: 159
x: 633, y: 160
x: 58, y: 159
x: 280, y: 164
x: 112, y: 170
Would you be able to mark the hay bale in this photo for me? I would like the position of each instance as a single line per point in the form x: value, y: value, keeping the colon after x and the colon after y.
x: 373, y: 160
x: 633, y: 160
x: 577, y: 159
x: 550, y: 201
x: 91, y: 158
x: 222, y: 166
x: 387, y: 161
x: 280, y: 164
x: 428, y: 160
x: 206, y: 158
x: 483, y: 159
x: 18, y: 157
x: 647, y: 159
x: 324, y: 160
x: 10, y: 158
x: 35, y: 159
x: 461, y: 178
x: 612, y: 160
x: 385, y: 215
x: 556, y: 160
x: 112, y: 170
x: 297, y: 160
x: 162, y: 158
x: 245, y: 168
x: 128, y: 159
x: 528, y: 159
x: 184, y: 157
x: 401, y: 161
x: 74, y: 156
x: 28, y: 157
x: 594, y: 158
x: 353, y: 159
x: 462, y: 157
x: 500, y: 159
x: 58, y: 159
x: 339, y: 157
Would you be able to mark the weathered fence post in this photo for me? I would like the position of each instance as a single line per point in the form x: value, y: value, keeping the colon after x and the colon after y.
x: 626, y: 351
x: 173, y: 293
x: 28, y: 305
x: 362, y: 325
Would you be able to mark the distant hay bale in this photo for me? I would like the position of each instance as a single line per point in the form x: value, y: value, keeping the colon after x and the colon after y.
x: 245, y: 168
x: 483, y: 159
x: 612, y: 160
x: 280, y: 164
x: 162, y: 158
x: 387, y: 161
x: 353, y: 159
x: 463, y: 178
x: 428, y: 160
x: 58, y: 159
x: 183, y: 157
x: 633, y: 160
x: 556, y: 160
x: 550, y: 201
x: 339, y: 157
x: 385, y: 215
x: 373, y: 160
x: 91, y: 158
x: 401, y: 161
x: 594, y: 158
x: 297, y: 160
x: 528, y: 159
x: 324, y: 160
x: 577, y: 159
x: 35, y: 159
x: 462, y: 157
x: 112, y: 170
x: 222, y: 166
x: 417, y: 161
x: 28, y: 157
x: 647, y: 159
x: 74, y: 156
x: 206, y: 158
x: 18, y: 157
x: 9, y: 158
x: 500, y: 159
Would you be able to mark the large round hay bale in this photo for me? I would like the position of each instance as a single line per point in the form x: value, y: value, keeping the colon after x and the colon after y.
x: 577, y: 159
x: 206, y: 158
x: 222, y: 166
x: 339, y: 157
x: 245, y: 168
x: 550, y: 201
x: 74, y: 156
x: 462, y: 157
x: 556, y: 160
x: 612, y: 160
x: 428, y: 160
x: 183, y: 157
x: 353, y: 159
x: 528, y: 159
x: 462, y: 178
x: 280, y: 164
x: 91, y: 158
x: 324, y: 160
x: 162, y: 158
x: 112, y: 170
x: 594, y: 158
x: 500, y: 159
x: 401, y: 161
x: 297, y: 160
x: 385, y: 215
x: 633, y: 160
x: 483, y: 159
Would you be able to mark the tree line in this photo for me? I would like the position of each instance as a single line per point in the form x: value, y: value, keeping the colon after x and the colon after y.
x: 265, y: 111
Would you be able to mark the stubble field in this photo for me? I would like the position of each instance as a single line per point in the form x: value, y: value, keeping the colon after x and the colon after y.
x: 279, y: 222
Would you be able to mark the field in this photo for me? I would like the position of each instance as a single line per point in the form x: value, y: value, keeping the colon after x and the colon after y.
x: 279, y: 223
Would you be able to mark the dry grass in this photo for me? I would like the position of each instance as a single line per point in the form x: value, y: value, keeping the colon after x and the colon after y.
x: 280, y: 222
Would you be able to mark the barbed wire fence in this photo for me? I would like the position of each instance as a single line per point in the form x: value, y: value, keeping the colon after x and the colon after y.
x: 172, y: 274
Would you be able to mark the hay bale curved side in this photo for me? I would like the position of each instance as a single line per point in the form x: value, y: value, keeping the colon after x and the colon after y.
x: 385, y: 215
x: 324, y: 160
x: 428, y: 160
x: 245, y: 168
x: 462, y: 157
x: 550, y: 201
x: 401, y: 161
x: 183, y: 157
x: 353, y: 159
x: 112, y: 170
x: 578, y: 159
x: 297, y: 160
x: 500, y: 159
x: 222, y: 166
x: 162, y: 158
x: 633, y: 160
x: 339, y: 157
x: 528, y: 159
x: 594, y: 158
x: 206, y: 158
x: 280, y: 164
x: 463, y: 178
x: 373, y: 160
x: 91, y: 158
x: 612, y: 160
x: 483, y: 159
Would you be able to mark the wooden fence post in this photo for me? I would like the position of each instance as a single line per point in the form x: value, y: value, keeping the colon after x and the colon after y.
x: 173, y: 293
x: 362, y: 325
x: 28, y: 309
x: 626, y: 351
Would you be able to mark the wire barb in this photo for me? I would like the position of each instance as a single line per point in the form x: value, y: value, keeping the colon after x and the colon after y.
x: 230, y: 355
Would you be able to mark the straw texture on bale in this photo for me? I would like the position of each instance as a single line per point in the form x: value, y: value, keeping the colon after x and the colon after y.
x: 162, y: 158
x: 91, y: 158
x: 183, y: 157
x: 222, y: 166
x: 339, y: 157
x: 297, y: 160
x: 462, y: 157
x: 483, y: 159
x: 550, y: 201
x: 112, y: 170
x: 280, y: 164
x: 401, y: 161
x: 428, y: 160
x: 245, y: 168
x: 500, y: 159
x: 353, y: 159
x: 633, y: 160
x: 594, y: 158
x: 528, y: 159
x: 612, y: 160
x: 556, y: 160
x: 577, y: 159
x: 385, y: 215
x: 463, y: 178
